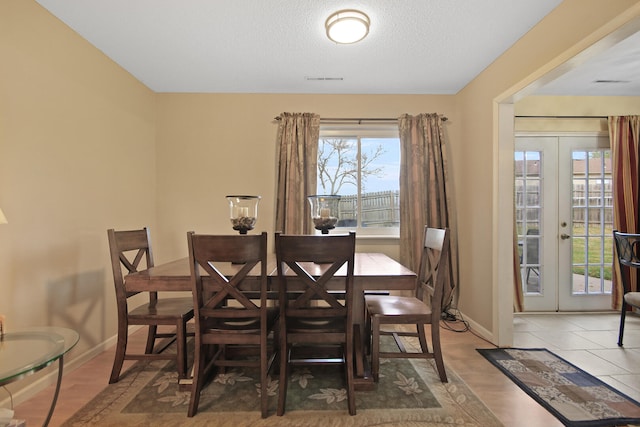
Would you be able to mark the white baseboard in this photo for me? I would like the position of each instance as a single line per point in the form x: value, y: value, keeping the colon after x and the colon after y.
x: 51, y: 377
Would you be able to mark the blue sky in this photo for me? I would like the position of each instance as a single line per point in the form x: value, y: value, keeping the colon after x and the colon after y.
x: 389, y: 162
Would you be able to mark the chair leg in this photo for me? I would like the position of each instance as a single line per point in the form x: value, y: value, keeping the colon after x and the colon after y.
x: 422, y: 337
x: 181, y: 350
x: 121, y: 350
x: 437, y: 351
x: 623, y: 315
x: 284, y: 374
x: 264, y: 372
x: 284, y: 365
x: 351, y: 398
x: 375, y: 348
x: 151, y: 339
x: 199, y: 364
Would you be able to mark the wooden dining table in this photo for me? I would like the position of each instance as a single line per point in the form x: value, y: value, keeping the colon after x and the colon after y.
x: 373, y: 272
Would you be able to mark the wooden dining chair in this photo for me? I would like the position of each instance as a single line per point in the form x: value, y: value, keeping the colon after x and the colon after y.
x: 628, y: 250
x: 231, y: 328
x: 316, y: 323
x: 131, y: 249
x: 420, y: 310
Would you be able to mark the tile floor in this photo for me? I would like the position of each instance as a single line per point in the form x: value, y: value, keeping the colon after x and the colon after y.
x: 587, y: 340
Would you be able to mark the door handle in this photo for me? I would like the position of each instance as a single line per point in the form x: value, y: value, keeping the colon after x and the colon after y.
x: 564, y: 236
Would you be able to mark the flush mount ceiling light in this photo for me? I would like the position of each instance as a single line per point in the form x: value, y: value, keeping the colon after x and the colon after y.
x: 347, y: 26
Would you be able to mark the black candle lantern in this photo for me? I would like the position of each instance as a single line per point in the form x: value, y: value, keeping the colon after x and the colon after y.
x: 324, y: 211
x: 243, y: 211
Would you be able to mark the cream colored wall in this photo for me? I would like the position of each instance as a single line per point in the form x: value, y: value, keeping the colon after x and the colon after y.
x: 486, y: 168
x: 77, y: 156
x: 211, y: 145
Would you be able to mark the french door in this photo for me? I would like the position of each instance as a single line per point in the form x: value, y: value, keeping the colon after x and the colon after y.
x: 564, y: 218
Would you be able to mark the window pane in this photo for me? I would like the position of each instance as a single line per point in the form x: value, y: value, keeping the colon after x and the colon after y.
x: 364, y: 171
x: 337, y: 166
x: 592, y: 221
x: 528, y: 195
x: 380, y: 183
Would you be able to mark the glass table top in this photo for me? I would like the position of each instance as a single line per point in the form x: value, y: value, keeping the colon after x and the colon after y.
x: 28, y: 350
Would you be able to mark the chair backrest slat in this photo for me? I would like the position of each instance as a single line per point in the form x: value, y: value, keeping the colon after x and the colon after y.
x: 627, y: 249
x: 432, y: 273
x: 627, y: 245
x: 128, y: 248
x: 307, y: 264
x: 218, y: 294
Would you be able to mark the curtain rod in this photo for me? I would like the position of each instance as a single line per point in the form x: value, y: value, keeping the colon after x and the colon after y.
x: 561, y: 117
x: 360, y: 120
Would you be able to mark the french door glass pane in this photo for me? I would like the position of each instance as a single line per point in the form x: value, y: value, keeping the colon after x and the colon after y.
x: 592, y: 222
x: 528, y: 187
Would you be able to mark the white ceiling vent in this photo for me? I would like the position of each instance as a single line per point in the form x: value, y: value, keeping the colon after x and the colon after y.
x: 324, y: 78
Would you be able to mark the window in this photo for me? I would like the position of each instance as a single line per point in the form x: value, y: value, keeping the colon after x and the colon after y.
x: 362, y: 165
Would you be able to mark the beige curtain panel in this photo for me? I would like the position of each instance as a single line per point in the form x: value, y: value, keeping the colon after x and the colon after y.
x: 298, y: 135
x: 426, y: 196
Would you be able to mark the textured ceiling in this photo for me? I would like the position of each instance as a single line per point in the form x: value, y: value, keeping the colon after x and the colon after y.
x: 280, y: 46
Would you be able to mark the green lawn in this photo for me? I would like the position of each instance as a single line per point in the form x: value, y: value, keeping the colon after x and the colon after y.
x: 595, y: 254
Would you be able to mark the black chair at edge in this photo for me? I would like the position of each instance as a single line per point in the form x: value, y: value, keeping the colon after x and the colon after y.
x: 627, y: 248
x: 315, y: 322
x: 533, y: 252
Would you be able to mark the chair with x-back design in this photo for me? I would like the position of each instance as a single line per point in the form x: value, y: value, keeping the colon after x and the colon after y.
x: 131, y: 249
x: 232, y: 328
x: 316, y: 321
x: 425, y: 308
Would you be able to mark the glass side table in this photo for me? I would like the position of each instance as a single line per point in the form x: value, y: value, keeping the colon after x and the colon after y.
x: 27, y: 351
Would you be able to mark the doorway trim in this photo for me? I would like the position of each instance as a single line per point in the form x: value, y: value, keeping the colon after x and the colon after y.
x: 504, y: 143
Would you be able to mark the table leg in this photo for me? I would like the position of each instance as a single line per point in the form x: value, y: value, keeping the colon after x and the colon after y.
x: 55, y: 394
x: 363, y: 379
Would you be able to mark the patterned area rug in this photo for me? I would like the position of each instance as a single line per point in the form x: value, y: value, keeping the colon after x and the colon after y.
x: 409, y: 394
x: 572, y: 395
